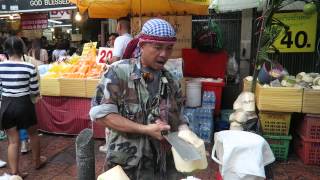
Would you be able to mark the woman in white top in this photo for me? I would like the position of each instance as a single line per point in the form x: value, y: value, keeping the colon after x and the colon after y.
x: 37, y: 52
x: 59, y: 52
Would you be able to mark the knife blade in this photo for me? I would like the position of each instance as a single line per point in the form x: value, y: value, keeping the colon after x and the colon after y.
x: 186, y: 150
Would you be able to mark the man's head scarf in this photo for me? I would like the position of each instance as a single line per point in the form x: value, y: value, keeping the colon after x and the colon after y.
x: 154, y: 31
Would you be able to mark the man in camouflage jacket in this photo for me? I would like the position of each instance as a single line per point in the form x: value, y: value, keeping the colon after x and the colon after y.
x: 138, y: 99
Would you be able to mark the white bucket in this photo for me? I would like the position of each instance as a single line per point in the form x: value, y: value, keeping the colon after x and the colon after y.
x: 193, y: 93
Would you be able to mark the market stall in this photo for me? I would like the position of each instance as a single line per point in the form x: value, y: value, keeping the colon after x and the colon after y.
x: 67, y: 88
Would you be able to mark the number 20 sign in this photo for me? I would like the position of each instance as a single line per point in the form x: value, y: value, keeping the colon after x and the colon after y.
x: 105, y: 54
x: 301, y: 36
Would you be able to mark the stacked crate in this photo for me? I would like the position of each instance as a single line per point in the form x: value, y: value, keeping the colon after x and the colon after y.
x: 307, y: 141
x: 275, y: 128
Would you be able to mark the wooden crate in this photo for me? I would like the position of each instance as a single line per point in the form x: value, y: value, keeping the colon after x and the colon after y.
x: 73, y: 87
x: 311, y: 101
x: 91, y: 86
x: 50, y: 87
x: 279, y: 99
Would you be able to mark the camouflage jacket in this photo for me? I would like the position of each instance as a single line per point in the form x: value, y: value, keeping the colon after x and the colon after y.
x: 122, y: 90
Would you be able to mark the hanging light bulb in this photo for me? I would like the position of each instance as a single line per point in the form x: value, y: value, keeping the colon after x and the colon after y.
x: 11, y: 17
x: 78, y: 16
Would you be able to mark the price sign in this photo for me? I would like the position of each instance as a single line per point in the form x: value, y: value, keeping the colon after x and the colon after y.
x: 87, y: 47
x: 104, y: 55
x: 301, y: 36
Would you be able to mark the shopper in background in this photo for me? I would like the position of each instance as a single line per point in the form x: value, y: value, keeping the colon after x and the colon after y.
x: 17, y: 110
x: 138, y: 99
x: 27, y: 43
x: 111, y: 39
x: 37, y: 52
x: 60, y: 51
x: 44, y: 42
x: 121, y: 42
x: 2, y: 136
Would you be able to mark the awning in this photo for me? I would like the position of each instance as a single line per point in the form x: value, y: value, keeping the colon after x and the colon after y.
x: 119, y: 8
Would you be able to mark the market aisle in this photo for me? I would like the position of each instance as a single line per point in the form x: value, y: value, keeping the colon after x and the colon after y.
x: 60, y: 151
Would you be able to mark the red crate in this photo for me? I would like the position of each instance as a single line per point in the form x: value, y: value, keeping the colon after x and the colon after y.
x: 309, y: 127
x: 199, y: 64
x: 208, y: 65
x: 217, y: 88
x: 308, y: 150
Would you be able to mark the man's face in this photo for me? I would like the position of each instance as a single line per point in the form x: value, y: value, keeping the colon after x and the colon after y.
x: 111, y: 41
x: 155, y: 55
x: 118, y: 28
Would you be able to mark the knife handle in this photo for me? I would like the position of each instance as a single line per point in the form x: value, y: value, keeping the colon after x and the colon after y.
x: 163, y: 133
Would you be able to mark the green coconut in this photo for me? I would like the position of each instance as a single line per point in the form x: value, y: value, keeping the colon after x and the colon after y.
x: 309, y: 8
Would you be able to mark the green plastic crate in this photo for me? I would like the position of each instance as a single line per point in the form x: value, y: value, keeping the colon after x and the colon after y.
x: 279, y: 145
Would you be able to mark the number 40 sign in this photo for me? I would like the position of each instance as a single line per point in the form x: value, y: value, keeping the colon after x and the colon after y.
x: 301, y: 36
x: 104, y: 55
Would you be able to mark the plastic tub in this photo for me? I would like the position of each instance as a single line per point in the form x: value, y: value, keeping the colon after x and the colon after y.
x: 193, y: 93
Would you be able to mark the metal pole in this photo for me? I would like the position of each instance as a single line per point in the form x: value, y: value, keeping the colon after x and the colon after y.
x: 85, y: 155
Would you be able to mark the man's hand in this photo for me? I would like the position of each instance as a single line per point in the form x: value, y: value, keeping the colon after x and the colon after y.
x: 154, y: 130
x: 114, y: 59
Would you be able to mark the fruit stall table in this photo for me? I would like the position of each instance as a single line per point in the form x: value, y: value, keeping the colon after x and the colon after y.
x: 66, y: 115
x: 66, y: 89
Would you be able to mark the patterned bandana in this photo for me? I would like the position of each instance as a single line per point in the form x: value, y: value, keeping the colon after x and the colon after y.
x: 154, y: 30
x: 157, y: 30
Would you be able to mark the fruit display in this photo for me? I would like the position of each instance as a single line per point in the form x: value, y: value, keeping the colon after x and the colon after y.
x: 301, y: 80
x: 76, y: 67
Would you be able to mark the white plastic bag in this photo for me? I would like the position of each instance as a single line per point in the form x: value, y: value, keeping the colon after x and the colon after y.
x: 232, y: 66
x: 233, y: 150
x: 235, y: 5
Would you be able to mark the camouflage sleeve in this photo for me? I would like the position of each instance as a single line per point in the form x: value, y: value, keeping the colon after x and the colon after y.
x: 106, y: 98
x: 180, y: 103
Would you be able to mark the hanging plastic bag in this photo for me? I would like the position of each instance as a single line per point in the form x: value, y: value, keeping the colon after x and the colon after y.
x: 209, y: 38
x: 232, y: 68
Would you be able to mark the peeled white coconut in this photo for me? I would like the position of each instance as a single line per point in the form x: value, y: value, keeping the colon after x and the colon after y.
x: 300, y: 76
x: 190, y: 166
x: 238, y: 116
x: 236, y: 126
x: 316, y: 87
x: 307, y: 78
x: 114, y: 173
x: 316, y: 81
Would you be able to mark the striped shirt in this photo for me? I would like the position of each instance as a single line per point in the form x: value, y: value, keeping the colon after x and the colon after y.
x: 18, y: 79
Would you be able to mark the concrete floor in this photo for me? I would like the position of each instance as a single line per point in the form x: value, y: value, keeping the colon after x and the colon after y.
x: 61, y: 165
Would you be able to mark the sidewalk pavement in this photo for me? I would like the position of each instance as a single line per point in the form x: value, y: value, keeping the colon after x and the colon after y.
x: 61, y: 165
